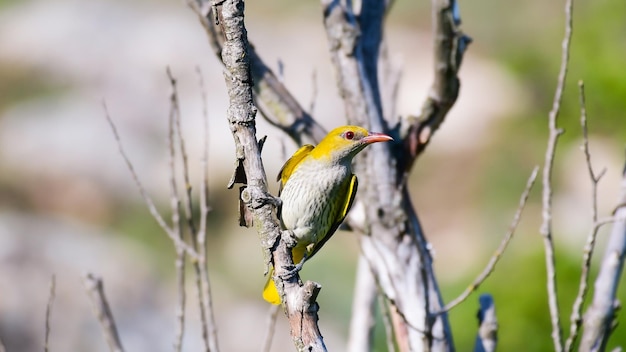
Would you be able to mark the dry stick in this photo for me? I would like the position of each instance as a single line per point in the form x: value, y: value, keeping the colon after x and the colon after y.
x: 546, y: 226
x: 149, y: 203
x: 209, y: 328
x: 271, y: 328
x: 46, y: 345
x: 498, y: 254
x: 176, y: 226
x: 576, y: 317
x: 95, y: 289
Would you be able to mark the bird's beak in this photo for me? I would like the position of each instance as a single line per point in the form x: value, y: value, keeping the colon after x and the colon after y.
x: 374, y: 137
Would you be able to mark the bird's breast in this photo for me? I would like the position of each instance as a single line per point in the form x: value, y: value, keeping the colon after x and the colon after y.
x: 313, y: 198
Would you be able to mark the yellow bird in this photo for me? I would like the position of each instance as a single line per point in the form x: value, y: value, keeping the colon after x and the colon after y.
x: 317, y: 188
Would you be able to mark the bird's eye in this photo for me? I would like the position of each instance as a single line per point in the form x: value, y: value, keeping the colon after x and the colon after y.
x: 349, y: 135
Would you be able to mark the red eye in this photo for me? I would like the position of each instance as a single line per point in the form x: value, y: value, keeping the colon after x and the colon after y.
x: 349, y: 135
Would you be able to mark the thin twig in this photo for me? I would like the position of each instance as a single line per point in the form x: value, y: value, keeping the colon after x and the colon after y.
x: 149, y: 203
x: 2, y: 348
x: 95, y: 289
x: 46, y: 344
x: 498, y: 254
x: 576, y: 317
x: 546, y: 226
x: 175, y: 208
x: 271, y: 328
x: 209, y: 328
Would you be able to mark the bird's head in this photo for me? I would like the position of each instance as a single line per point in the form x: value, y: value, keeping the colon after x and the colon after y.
x: 343, y: 143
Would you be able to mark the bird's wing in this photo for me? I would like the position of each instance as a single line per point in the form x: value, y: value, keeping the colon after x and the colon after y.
x: 345, y: 208
x: 290, y: 165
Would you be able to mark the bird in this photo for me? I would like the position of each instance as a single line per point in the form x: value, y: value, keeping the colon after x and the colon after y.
x: 317, y: 189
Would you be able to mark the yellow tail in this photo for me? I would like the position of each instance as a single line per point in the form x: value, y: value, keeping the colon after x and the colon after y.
x: 270, y: 292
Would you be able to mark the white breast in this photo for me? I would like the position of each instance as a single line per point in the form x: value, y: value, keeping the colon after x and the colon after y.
x: 306, y: 208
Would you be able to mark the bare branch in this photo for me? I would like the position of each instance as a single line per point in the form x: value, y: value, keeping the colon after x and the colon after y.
x: 271, y: 328
x: 546, y: 226
x: 298, y: 299
x: 450, y: 44
x: 175, y: 208
x: 598, y: 320
x: 209, y: 327
x: 498, y: 254
x: 46, y: 345
x: 275, y: 102
x: 95, y: 289
x: 149, y: 203
x: 2, y: 348
x: 576, y: 317
x: 487, y: 337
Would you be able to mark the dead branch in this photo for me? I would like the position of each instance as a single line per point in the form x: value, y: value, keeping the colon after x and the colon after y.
x: 498, y: 254
x: 277, y: 105
x: 209, y: 327
x: 298, y: 299
x: 95, y: 289
x: 450, y: 44
x: 546, y: 226
x: 487, y: 337
x: 147, y: 199
x: 46, y: 345
x: 599, y: 318
x: 576, y: 316
x: 175, y: 208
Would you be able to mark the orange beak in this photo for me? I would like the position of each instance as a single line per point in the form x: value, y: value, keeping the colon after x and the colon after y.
x: 374, y: 137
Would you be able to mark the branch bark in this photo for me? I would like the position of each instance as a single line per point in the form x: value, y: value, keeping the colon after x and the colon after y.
x: 298, y: 299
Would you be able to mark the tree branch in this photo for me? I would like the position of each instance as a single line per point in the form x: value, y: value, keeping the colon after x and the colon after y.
x: 498, y: 254
x: 209, y: 327
x: 450, y: 44
x: 546, y: 226
x: 298, y: 299
x: 576, y: 317
x: 175, y: 208
x: 95, y: 289
x: 599, y: 318
x: 273, y: 99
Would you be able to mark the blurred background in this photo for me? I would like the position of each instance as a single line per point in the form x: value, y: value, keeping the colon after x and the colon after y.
x: 68, y: 205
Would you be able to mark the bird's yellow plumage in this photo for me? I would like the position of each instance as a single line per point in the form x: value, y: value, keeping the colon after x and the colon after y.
x: 317, y: 189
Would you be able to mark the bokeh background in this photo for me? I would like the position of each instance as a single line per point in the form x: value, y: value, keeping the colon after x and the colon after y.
x: 68, y: 205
